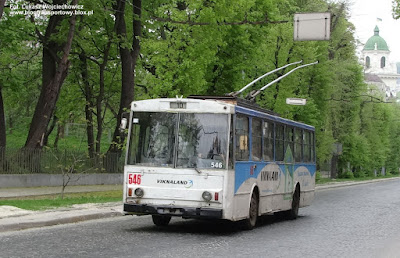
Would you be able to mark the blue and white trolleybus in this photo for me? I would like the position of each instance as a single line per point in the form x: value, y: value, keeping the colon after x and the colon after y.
x: 216, y: 157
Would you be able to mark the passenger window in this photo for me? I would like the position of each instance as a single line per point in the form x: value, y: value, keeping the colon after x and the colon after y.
x: 242, y: 135
x: 289, y: 140
x: 279, y: 137
x: 312, y: 147
x: 231, y: 160
x: 268, y: 133
x: 306, y: 146
x: 256, y: 139
x: 298, y: 145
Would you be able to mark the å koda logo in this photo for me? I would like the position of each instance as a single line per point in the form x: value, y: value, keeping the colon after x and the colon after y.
x: 189, y: 184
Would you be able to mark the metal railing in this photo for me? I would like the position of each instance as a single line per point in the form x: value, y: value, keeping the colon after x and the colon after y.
x: 50, y: 161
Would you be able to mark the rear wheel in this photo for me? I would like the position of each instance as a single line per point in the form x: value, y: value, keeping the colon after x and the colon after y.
x: 161, y: 220
x: 294, y: 212
x: 251, y: 221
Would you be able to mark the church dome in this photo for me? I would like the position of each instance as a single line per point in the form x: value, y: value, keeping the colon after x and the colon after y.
x: 377, y: 41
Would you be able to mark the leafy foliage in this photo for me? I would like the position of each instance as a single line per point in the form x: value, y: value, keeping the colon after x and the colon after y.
x: 205, y: 47
x: 396, y: 9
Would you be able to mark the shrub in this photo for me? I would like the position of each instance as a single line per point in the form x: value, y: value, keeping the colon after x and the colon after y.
x: 347, y: 174
x: 359, y: 174
x: 318, y: 175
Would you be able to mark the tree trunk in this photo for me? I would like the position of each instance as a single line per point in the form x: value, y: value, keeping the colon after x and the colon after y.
x: 137, y: 32
x: 2, y: 122
x: 334, y: 164
x: 54, y: 71
x: 89, y: 104
x: 60, y: 134
x: 50, y: 130
x: 2, y: 2
x: 99, y: 113
x: 127, y: 62
x: 100, y: 97
x: 2, y: 117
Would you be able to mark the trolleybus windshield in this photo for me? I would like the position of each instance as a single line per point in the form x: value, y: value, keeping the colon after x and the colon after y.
x: 183, y: 140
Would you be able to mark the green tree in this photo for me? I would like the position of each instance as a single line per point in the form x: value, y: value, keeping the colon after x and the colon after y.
x: 18, y: 77
x: 147, y: 49
x: 396, y: 9
x: 129, y: 54
x: 393, y: 157
x: 2, y: 3
x: 94, y: 66
x: 2, y: 117
x: 54, y: 72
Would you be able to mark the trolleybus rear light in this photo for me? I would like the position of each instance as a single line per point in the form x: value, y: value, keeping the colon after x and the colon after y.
x: 216, y: 196
x: 129, y: 191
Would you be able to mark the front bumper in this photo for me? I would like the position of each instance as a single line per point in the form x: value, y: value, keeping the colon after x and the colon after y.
x: 184, y: 212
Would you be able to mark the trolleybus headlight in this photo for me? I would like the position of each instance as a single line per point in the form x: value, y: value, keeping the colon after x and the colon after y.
x: 207, y: 196
x: 139, y: 192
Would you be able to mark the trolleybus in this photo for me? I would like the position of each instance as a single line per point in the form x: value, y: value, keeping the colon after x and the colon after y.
x: 216, y: 157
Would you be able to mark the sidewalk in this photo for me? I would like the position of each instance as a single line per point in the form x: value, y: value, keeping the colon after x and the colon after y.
x: 12, y: 218
x: 350, y: 183
x: 38, y: 191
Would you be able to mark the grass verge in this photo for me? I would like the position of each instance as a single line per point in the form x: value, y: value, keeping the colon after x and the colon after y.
x: 54, y: 201
x: 321, y: 181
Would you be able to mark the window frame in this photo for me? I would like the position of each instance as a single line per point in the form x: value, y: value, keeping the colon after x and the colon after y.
x: 368, y: 62
x: 279, y: 142
x: 237, y: 138
x: 383, y: 62
x: 289, y: 139
x: 256, y: 140
x: 268, y: 137
x: 298, y: 145
x: 308, y: 146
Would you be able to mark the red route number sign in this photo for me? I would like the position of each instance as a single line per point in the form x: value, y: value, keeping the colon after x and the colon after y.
x: 134, y: 179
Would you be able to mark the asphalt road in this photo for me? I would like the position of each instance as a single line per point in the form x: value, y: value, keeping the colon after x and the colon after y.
x: 357, y: 221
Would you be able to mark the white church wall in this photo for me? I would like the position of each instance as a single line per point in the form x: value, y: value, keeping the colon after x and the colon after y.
x: 375, y: 62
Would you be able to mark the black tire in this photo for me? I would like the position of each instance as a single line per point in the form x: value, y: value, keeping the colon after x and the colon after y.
x: 161, y: 221
x: 294, y: 212
x: 251, y: 221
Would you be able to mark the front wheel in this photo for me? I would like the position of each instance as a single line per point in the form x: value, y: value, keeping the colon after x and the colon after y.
x: 251, y: 221
x: 161, y: 220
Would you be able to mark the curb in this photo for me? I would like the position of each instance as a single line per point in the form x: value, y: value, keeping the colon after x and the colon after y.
x: 59, y: 221
x: 352, y: 183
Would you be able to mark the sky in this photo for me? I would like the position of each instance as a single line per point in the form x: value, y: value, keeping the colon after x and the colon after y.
x: 365, y: 14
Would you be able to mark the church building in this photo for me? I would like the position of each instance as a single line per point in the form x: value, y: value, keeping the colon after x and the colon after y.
x: 380, y: 71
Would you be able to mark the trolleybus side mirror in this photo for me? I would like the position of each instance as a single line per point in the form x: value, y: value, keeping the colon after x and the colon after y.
x: 124, y: 121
